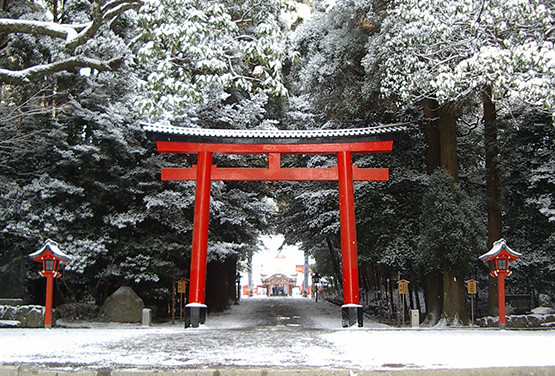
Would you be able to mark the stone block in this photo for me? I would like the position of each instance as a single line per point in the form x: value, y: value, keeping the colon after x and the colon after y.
x: 123, y: 306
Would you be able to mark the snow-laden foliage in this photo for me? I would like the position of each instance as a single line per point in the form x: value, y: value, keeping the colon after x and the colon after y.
x: 452, y: 229
x: 527, y: 158
x: 84, y: 253
x: 195, y: 46
x: 449, y: 49
x: 330, y: 48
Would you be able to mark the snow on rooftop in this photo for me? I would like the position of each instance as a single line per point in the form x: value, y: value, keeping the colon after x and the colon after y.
x: 54, y: 248
x: 274, y: 133
x: 497, y: 248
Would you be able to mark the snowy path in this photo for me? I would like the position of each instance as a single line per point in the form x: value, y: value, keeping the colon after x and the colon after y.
x: 279, y: 332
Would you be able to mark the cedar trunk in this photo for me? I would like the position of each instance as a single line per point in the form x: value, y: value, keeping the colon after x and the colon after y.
x: 334, y: 262
x: 495, y: 229
x: 433, y: 296
x: 220, y: 284
x: 454, y: 303
x: 447, y: 122
x: 433, y: 284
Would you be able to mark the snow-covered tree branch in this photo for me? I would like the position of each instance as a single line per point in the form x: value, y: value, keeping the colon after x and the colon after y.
x: 25, y: 75
x: 103, y: 12
x: 70, y: 36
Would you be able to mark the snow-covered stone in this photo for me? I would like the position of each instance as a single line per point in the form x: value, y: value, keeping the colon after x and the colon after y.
x: 543, y: 311
x: 29, y: 316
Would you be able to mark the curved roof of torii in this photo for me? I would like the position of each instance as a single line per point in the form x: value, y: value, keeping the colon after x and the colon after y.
x: 166, y: 132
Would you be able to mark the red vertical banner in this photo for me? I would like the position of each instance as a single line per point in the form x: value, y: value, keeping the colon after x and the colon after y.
x: 348, y: 228
x: 197, y: 286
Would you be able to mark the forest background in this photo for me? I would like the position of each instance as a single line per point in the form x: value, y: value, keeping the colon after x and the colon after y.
x: 474, y: 81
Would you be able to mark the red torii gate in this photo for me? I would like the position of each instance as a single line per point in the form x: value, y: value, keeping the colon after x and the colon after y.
x: 206, y: 142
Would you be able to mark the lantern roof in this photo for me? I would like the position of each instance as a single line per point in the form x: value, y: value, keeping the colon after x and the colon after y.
x: 500, y: 248
x: 168, y: 132
x: 50, y: 248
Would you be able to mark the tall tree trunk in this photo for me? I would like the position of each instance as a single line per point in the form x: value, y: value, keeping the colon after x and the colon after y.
x: 433, y: 295
x: 433, y: 282
x: 334, y: 261
x: 431, y: 133
x: 447, y: 123
x: 454, y: 303
x: 495, y: 229
x: 453, y: 307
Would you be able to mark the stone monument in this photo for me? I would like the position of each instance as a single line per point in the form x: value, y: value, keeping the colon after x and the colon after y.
x: 124, y: 305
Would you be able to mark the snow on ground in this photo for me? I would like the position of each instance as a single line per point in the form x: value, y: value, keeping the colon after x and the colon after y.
x: 284, y: 332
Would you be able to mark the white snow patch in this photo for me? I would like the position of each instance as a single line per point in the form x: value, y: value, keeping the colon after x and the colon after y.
x: 281, y: 332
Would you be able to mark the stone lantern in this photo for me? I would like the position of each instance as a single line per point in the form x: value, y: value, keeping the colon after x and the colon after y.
x: 50, y: 256
x: 499, y: 257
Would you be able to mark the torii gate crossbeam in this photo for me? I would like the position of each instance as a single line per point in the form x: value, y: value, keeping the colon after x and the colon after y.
x: 273, y: 143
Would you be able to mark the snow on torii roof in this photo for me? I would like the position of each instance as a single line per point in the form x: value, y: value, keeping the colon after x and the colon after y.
x: 497, y: 249
x: 52, y: 247
x: 166, y: 132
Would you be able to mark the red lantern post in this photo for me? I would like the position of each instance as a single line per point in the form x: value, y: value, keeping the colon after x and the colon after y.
x: 50, y: 256
x: 499, y: 257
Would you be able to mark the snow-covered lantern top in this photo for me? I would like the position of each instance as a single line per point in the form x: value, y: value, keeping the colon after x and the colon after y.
x: 50, y: 255
x: 499, y: 257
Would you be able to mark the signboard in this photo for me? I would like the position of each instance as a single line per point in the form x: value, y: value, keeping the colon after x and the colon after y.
x: 403, y: 287
x: 181, y: 286
x: 472, y: 286
x: 299, y: 268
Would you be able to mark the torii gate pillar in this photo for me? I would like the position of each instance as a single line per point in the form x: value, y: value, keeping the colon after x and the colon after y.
x: 195, y: 310
x: 351, y: 311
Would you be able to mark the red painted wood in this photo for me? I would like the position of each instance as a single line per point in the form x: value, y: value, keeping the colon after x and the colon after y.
x: 501, y: 298
x: 345, y: 173
x: 275, y: 174
x: 331, y: 148
x: 348, y: 229
x: 197, y: 287
x: 48, y: 304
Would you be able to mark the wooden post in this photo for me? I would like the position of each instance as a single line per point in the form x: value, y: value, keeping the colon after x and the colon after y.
x: 472, y: 289
x: 196, y: 309
x: 351, y: 309
x: 48, y: 304
x: 403, y: 288
x: 173, y: 300
x: 501, y: 300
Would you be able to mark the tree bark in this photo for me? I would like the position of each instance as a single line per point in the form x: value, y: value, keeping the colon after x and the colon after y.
x: 334, y: 261
x: 433, y: 295
x: 431, y: 133
x: 454, y: 303
x: 495, y: 229
x: 447, y: 123
x: 220, y: 284
x: 433, y: 283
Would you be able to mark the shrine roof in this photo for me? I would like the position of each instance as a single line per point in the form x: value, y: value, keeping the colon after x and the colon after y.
x: 498, y: 247
x: 166, y: 132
